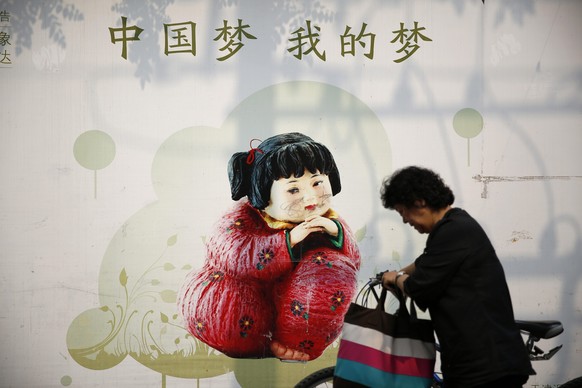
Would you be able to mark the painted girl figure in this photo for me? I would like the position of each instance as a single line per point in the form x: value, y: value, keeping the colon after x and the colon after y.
x: 281, y: 266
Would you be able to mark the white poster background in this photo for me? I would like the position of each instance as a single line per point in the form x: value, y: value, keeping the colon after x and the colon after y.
x: 516, y: 63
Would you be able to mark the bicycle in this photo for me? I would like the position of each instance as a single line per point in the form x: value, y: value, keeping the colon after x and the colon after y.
x: 534, y: 330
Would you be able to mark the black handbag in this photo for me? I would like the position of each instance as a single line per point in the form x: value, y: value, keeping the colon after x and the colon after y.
x: 379, y: 349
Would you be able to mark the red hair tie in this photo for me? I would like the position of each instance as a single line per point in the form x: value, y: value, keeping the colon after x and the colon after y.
x: 251, y: 157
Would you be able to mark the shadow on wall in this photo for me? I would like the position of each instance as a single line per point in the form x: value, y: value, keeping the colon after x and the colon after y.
x: 147, y: 56
x: 24, y: 14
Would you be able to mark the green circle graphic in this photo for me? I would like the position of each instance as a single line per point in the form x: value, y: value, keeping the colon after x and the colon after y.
x: 94, y: 150
x: 468, y: 123
x: 66, y: 381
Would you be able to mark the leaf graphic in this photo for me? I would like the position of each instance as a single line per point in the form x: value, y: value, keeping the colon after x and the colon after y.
x: 396, y: 256
x: 361, y: 233
x: 172, y: 240
x: 168, y: 296
x: 123, y: 277
x: 164, y: 318
x: 169, y: 267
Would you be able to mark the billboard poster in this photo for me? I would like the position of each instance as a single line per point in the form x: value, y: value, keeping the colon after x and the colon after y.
x: 150, y: 235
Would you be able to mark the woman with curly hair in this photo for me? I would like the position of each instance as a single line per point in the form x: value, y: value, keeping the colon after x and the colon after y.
x: 281, y: 266
x: 460, y: 280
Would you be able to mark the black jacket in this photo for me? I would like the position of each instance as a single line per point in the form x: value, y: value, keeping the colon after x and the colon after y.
x: 461, y: 281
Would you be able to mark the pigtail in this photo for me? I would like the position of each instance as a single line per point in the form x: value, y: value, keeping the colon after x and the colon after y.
x: 239, y: 175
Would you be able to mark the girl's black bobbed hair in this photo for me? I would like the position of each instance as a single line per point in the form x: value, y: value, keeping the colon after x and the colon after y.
x: 252, y: 173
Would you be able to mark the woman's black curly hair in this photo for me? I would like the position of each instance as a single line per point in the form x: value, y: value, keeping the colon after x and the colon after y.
x: 411, y: 184
x: 279, y: 156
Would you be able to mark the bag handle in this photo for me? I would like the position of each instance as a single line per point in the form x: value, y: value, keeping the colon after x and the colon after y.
x: 382, y: 300
x: 413, y: 316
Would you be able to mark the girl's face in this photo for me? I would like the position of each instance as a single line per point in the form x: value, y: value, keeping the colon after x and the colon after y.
x: 294, y: 199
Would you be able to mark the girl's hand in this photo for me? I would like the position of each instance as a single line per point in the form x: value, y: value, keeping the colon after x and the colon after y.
x: 321, y: 224
x: 315, y: 224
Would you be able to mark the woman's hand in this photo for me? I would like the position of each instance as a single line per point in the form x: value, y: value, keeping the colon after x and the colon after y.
x: 314, y: 224
x: 394, y: 280
x: 388, y: 279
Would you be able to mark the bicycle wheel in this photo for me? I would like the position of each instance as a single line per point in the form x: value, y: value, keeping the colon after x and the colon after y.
x: 575, y: 383
x: 319, y: 378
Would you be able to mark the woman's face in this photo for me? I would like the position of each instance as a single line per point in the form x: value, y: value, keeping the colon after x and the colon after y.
x: 419, y: 216
x: 294, y: 199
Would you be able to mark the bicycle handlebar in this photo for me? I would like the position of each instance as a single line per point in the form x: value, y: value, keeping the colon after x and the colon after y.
x: 376, y: 280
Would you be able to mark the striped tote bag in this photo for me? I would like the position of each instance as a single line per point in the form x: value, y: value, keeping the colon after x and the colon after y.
x: 378, y: 349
